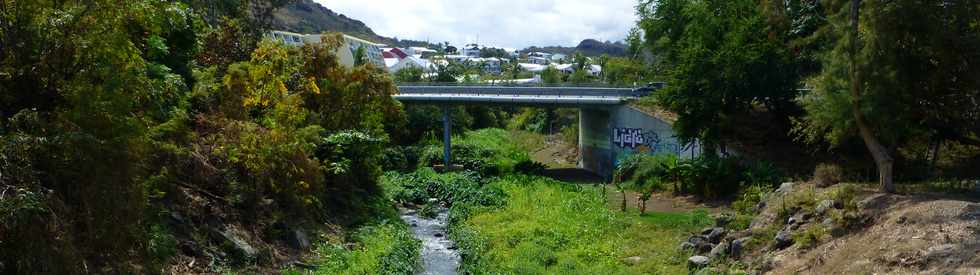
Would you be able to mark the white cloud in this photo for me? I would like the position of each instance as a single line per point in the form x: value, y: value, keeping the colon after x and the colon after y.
x: 501, y: 23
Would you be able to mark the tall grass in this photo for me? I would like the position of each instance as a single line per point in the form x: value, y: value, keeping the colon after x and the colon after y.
x: 548, y: 227
x: 385, y: 248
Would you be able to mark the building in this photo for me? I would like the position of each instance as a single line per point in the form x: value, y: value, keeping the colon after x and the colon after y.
x: 419, y: 51
x: 471, y: 50
x: 559, y: 58
x: 538, y: 60
x: 413, y: 62
x: 372, y: 51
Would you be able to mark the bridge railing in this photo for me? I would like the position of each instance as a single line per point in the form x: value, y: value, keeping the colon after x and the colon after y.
x: 510, y: 89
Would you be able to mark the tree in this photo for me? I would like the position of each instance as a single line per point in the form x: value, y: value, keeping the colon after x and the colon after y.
x: 900, y: 70
x: 409, y: 75
x: 551, y: 76
x: 723, y: 61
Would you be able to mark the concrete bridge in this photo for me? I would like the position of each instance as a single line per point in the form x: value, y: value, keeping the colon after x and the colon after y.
x: 609, y: 128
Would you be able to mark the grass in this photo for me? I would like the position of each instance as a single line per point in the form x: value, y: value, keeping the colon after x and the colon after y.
x: 383, y: 248
x: 548, y: 227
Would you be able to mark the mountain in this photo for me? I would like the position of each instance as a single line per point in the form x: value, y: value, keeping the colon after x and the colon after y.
x: 306, y: 16
x: 588, y: 47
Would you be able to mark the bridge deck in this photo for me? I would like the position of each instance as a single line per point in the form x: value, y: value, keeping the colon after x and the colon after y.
x: 518, y: 95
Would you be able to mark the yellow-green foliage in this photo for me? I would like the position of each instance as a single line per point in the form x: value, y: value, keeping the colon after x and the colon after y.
x: 548, y: 227
x: 385, y: 248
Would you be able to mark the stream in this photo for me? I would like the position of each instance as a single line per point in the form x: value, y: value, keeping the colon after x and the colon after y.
x: 439, y: 255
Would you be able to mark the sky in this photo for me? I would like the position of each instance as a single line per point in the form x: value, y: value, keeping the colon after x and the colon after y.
x: 514, y: 24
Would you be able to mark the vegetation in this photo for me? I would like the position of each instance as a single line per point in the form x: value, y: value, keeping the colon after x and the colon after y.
x: 385, y: 248
x: 123, y: 126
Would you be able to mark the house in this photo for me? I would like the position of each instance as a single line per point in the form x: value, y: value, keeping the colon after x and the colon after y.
x: 560, y: 58
x: 419, y: 51
x: 538, y: 60
x: 531, y: 67
x: 394, y: 53
x: 413, y: 62
x: 471, y: 50
x: 345, y: 54
x: 490, y: 64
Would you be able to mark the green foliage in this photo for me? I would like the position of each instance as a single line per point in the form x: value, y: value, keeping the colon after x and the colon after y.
x: 384, y: 248
x: 707, y: 176
x: 551, y: 76
x: 411, y: 74
x: 722, y: 59
x: 909, y: 60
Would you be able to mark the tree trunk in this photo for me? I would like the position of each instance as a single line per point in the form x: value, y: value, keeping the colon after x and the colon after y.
x: 623, y: 205
x: 880, y: 154
x: 643, y: 207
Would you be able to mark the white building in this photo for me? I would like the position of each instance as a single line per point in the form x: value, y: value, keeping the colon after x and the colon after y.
x: 413, y: 62
x: 372, y: 51
x: 471, y: 50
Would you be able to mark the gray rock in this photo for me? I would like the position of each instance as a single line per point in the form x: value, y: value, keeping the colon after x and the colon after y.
x: 938, y: 252
x: 238, y: 245
x: 783, y: 239
x: 828, y: 222
x: 705, y: 247
x: 784, y: 188
x: 738, y: 245
x: 823, y: 206
x: 718, y: 251
x: 687, y: 246
x: 697, y: 262
x: 299, y: 240
x: 715, y: 235
x: 696, y: 240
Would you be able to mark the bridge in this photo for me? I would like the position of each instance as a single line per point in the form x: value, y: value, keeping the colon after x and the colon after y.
x: 542, y: 96
x: 608, y: 126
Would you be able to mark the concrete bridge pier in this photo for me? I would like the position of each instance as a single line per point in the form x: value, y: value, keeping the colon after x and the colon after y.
x: 447, y: 136
x: 595, y: 153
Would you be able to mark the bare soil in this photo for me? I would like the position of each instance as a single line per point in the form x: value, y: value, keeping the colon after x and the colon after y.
x: 906, y: 234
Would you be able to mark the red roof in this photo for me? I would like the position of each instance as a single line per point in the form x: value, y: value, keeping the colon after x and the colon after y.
x: 397, y: 53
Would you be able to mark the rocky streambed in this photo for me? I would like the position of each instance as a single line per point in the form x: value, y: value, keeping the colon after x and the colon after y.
x: 439, y: 255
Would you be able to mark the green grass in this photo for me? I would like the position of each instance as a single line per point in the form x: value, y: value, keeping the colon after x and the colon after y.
x: 548, y: 227
x: 384, y: 248
x: 506, y: 152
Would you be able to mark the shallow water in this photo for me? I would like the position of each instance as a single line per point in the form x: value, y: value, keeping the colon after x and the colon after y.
x: 439, y: 255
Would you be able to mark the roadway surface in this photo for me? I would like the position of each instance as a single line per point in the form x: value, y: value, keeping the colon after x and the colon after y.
x: 517, y: 95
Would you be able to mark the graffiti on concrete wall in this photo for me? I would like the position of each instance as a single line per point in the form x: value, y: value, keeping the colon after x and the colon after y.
x: 644, y: 141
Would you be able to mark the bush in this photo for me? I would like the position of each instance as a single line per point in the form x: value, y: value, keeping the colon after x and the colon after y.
x: 825, y: 175
x: 385, y: 248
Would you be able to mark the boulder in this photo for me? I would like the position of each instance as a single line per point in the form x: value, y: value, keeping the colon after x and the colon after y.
x: 783, y: 239
x: 738, y: 245
x: 697, y: 240
x: 705, y: 247
x: 785, y: 188
x: 687, y: 246
x: 238, y: 245
x: 715, y: 234
x: 824, y: 206
x: 697, y: 262
x: 719, y: 251
x: 299, y: 240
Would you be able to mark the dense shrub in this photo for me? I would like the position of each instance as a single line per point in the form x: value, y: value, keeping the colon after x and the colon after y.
x: 384, y: 248
x: 712, y: 177
x: 827, y: 174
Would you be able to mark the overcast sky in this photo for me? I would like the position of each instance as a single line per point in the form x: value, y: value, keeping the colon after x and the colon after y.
x: 501, y: 23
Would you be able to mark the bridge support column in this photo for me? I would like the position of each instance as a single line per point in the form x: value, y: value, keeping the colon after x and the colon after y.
x: 447, y: 135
